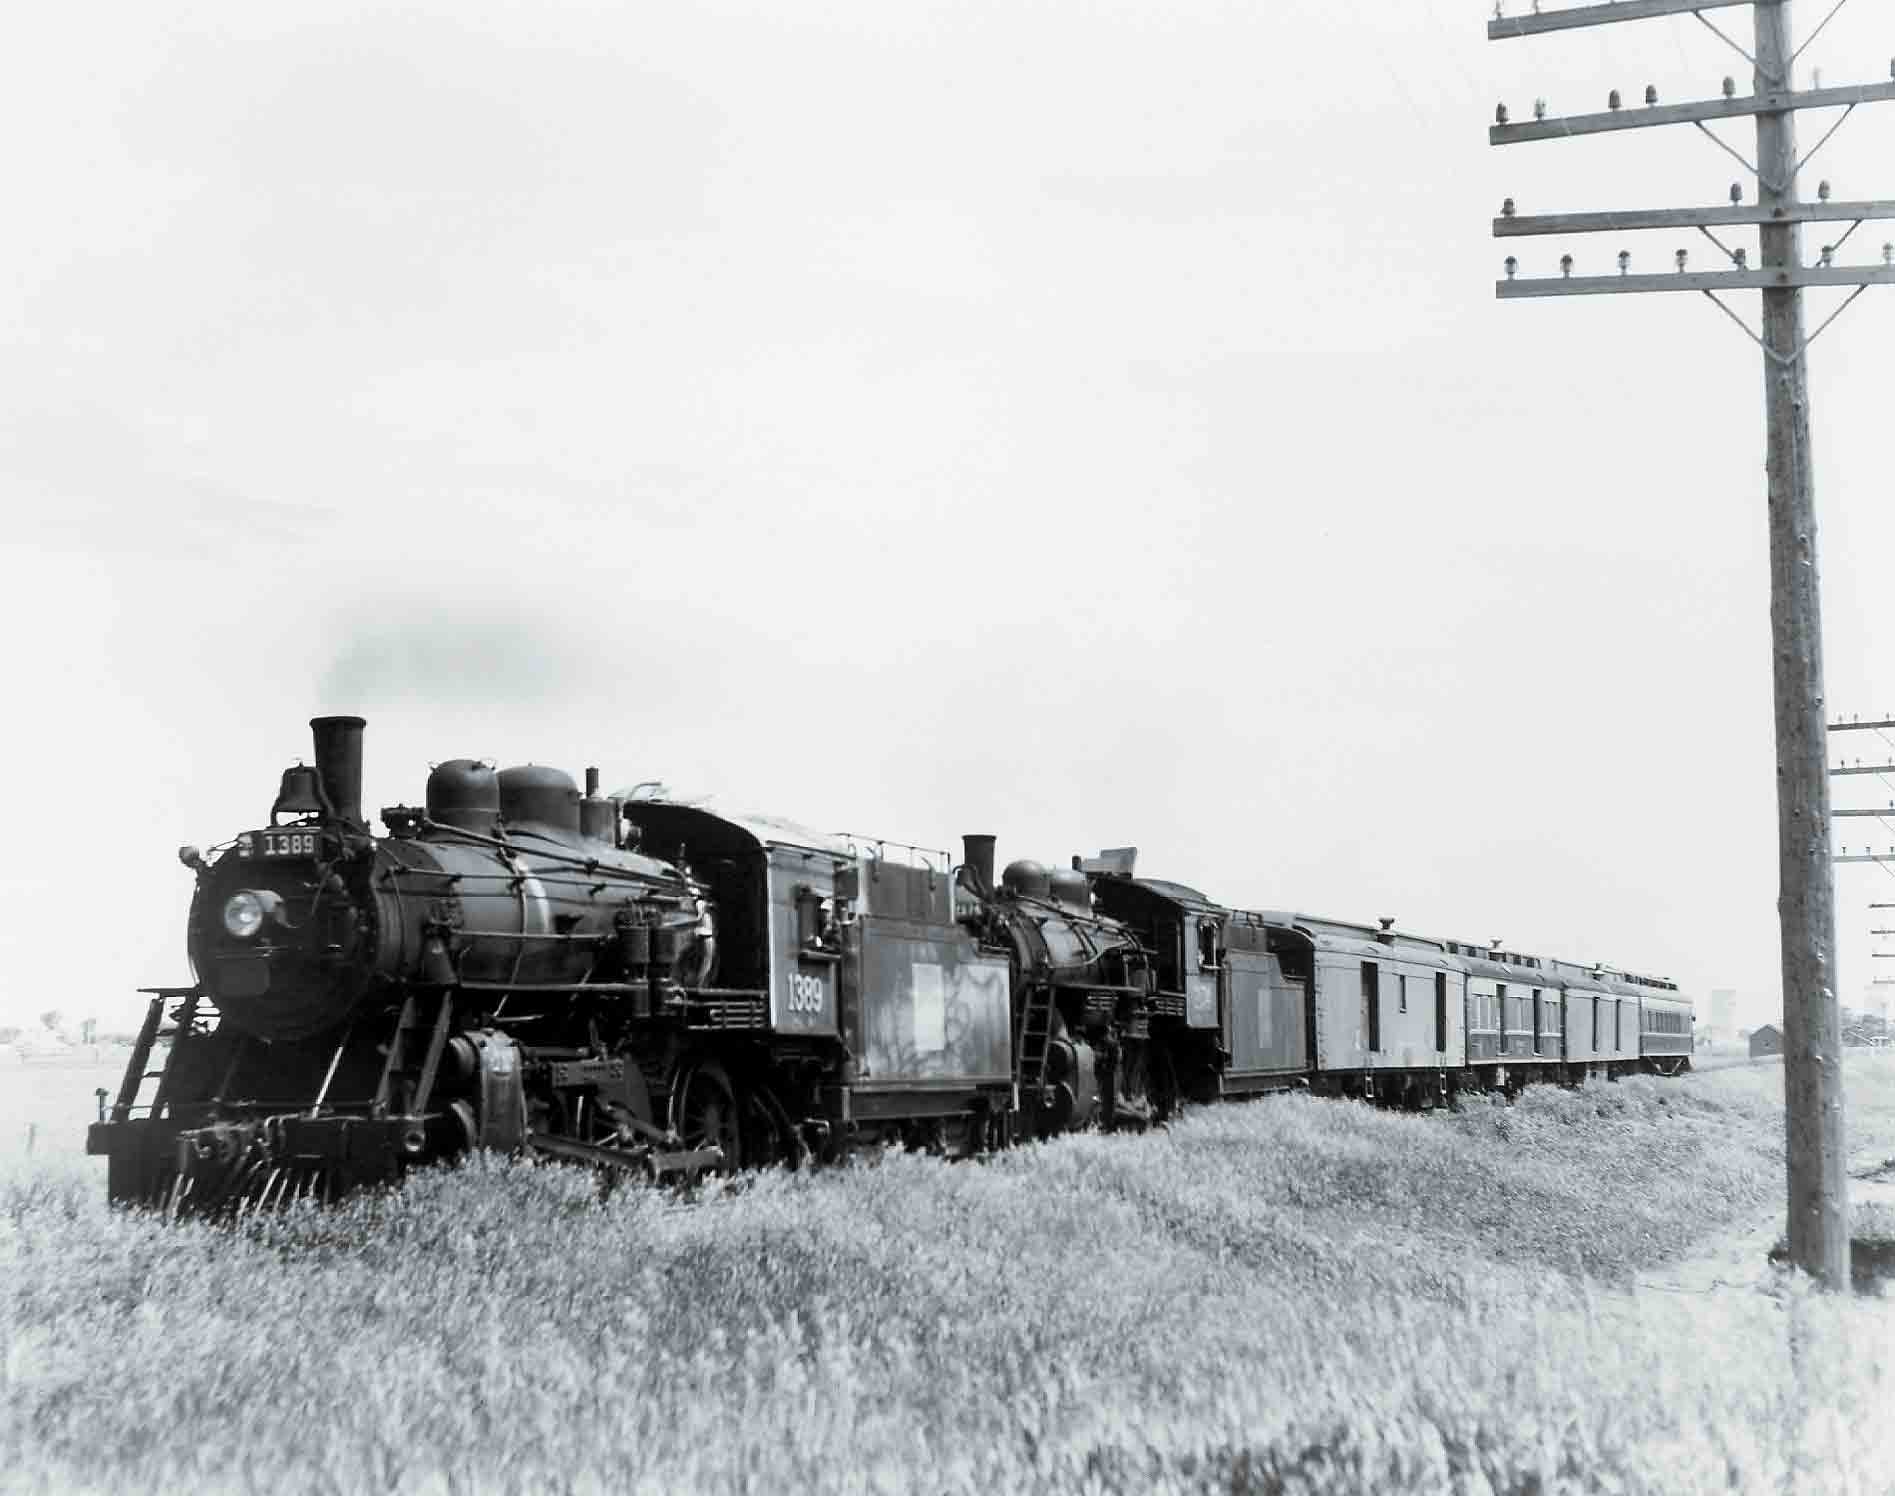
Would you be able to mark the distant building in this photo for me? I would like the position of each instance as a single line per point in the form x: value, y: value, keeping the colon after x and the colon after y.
x: 1766, y: 1040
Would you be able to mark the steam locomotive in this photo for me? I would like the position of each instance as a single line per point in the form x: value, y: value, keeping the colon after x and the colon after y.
x: 646, y: 985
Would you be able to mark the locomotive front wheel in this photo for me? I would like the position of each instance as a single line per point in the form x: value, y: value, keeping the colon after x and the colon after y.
x: 704, y: 1112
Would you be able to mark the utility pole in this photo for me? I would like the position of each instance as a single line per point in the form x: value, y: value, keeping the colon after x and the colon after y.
x: 1818, y: 1210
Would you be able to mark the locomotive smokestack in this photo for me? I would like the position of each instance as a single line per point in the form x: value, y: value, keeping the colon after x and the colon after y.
x: 339, y: 761
x: 592, y: 782
x: 978, y: 854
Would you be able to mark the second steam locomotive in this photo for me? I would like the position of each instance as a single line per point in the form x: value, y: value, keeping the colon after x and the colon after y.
x: 650, y: 985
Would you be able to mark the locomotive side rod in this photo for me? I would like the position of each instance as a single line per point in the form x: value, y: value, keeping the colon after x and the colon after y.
x: 437, y: 1042
x: 397, y: 1058
x: 654, y: 1161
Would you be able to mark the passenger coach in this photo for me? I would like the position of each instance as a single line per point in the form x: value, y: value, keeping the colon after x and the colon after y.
x: 1514, y: 1003
x: 1667, y: 1025
x: 1373, y: 1011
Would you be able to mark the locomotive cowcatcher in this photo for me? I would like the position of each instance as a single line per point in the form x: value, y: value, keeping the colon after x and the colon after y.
x: 630, y: 983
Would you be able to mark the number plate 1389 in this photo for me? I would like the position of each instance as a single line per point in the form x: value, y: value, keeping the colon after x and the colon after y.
x: 284, y: 843
x: 806, y: 993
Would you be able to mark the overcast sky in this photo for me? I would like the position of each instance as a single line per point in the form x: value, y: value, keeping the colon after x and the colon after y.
x: 1088, y: 423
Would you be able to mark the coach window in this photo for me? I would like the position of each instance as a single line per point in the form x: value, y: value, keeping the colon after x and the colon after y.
x: 1441, y: 1010
x: 1402, y: 992
x: 1372, y: 1003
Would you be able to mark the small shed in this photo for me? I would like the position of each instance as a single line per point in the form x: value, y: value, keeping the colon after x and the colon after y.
x: 1766, y: 1040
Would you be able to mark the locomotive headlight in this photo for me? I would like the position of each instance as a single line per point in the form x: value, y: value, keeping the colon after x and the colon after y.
x: 243, y: 914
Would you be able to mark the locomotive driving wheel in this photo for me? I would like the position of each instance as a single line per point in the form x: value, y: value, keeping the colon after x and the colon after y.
x: 705, y: 1114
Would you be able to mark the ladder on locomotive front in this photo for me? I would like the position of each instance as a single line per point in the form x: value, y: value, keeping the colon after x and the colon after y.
x: 192, y: 1009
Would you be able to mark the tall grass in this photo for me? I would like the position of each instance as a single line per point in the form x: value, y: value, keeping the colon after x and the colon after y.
x: 1299, y: 1295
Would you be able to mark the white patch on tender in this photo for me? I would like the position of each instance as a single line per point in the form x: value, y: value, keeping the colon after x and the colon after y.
x: 930, y: 1008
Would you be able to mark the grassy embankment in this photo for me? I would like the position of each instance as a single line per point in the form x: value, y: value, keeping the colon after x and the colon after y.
x: 1287, y: 1296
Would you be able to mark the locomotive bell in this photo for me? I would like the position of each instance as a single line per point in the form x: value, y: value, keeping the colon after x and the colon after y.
x: 300, y: 794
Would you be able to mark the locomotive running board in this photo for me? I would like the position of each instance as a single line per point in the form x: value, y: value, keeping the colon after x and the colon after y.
x: 651, y: 1161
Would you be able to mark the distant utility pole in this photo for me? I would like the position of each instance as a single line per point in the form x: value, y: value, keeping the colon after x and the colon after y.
x: 1867, y: 854
x: 1806, y: 904
x: 1883, y: 981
